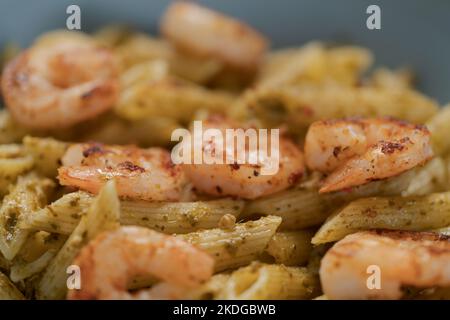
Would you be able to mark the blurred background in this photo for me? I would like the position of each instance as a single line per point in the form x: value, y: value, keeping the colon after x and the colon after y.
x: 414, y: 32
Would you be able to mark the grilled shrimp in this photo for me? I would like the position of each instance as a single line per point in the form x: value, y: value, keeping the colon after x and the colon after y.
x: 65, y: 78
x: 146, y: 174
x: 419, y: 259
x: 356, y: 151
x: 110, y: 261
x: 244, y: 180
x: 207, y: 33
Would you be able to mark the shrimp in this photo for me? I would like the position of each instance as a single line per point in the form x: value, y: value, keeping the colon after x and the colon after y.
x: 207, y: 33
x: 420, y: 259
x: 110, y: 261
x: 64, y: 79
x: 146, y: 174
x: 244, y: 180
x: 356, y: 151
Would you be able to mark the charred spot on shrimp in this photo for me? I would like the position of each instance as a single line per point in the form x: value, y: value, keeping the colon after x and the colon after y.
x: 336, y: 151
x: 96, y: 148
x: 295, y: 177
x: 130, y: 166
x: 390, y: 147
x: 235, y: 166
x: 421, y: 127
x: 412, y: 235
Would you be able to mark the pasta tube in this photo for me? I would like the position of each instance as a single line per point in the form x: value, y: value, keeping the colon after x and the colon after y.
x: 396, y: 213
x: 46, y: 153
x: 29, y: 194
x: 291, y: 248
x: 8, y: 291
x: 232, y: 248
x: 260, y: 281
x: 35, y: 255
x: 102, y: 215
x: 63, y: 215
x: 13, y: 162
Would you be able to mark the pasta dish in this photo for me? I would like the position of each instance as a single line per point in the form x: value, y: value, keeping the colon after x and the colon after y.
x: 199, y: 164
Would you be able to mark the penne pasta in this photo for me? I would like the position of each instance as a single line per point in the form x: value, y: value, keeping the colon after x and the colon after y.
x: 298, y: 208
x: 178, y: 217
x: 7, y: 289
x: 270, y: 282
x: 29, y: 194
x: 170, y: 98
x: 63, y: 215
x: 291, y: 248
x: 4, y: 264
x: 35, y: 255
x: 211, y: 289
x: 23, y: 271
x: 432, y: 177
x: 13, y: 163
x: 46, y: 153
x: 104, y: 212
x: 53, y: 282
x: 396, y: 213
x: 102, y: 215
x: 232, y: 248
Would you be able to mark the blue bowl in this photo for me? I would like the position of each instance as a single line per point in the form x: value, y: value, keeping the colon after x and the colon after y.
x: 413, y: 33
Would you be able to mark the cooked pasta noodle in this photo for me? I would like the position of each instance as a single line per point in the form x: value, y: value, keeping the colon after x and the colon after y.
x: 62, y: 216
x: 397, y: 213
x: 7, y: 289
x: 238, y: 246
x: 259, y: 281
x: 103, y: 214
x: 291, y: 248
